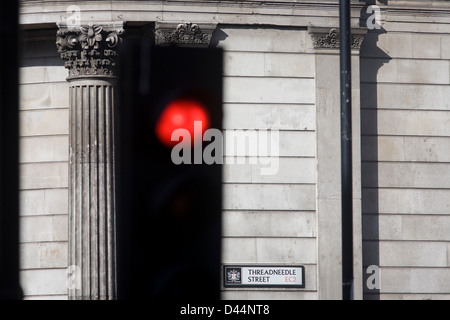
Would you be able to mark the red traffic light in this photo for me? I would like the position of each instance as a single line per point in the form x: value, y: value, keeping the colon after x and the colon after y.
x: 181, y: 114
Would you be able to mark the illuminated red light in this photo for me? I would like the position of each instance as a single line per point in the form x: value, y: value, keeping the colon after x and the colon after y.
x: 181, y: 114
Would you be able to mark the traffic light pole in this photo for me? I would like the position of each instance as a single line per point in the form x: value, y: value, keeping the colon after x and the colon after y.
x: 9, y: 153
x: 346, y: 149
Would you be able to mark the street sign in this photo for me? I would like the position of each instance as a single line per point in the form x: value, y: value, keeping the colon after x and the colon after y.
x: 264, y: 276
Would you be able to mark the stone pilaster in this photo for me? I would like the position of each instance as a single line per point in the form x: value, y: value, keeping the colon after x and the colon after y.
x: 326, y: 45
x: 90, y: 53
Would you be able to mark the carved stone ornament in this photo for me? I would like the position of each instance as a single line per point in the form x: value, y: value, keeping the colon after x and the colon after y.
x: 329, y: 38
x: 89, y: 50
x: 183, y: 34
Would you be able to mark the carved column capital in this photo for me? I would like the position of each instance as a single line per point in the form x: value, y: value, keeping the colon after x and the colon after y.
x: 91, y: 49
x: 328, y: 38
x: 183, y: 34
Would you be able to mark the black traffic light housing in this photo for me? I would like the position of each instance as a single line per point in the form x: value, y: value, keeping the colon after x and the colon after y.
x: 169, y: 219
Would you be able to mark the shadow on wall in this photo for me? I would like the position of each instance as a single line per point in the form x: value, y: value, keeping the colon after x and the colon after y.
x: 372, y: 59
x: 217, y: 36
x: 38, y: 48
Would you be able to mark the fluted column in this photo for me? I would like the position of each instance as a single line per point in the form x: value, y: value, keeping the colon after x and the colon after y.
x: 90, y: 53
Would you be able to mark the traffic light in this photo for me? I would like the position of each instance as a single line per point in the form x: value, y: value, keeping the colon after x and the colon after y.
x: 169, y: 219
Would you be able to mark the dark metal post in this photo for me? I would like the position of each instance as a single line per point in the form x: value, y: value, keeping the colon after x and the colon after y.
x: 9, y: 153
x: 346, y: 149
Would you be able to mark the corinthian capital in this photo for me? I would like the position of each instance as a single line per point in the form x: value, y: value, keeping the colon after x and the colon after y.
x: 328, y: 38
x: 183, y: 34
x: 89, y: 50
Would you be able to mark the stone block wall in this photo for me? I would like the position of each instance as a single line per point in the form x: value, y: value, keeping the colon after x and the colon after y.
x: 275, y: 80
x: 270, y: 219
x: 44, y: 125
x: 405, y: 137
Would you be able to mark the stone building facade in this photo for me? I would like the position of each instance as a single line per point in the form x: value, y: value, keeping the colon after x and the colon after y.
x: 281, y: 73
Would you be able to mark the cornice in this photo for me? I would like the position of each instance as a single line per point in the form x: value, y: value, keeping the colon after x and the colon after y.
x: 54, y: 9
x: 418, y: 7
x: 299, y: 13
x: 200, y: 2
